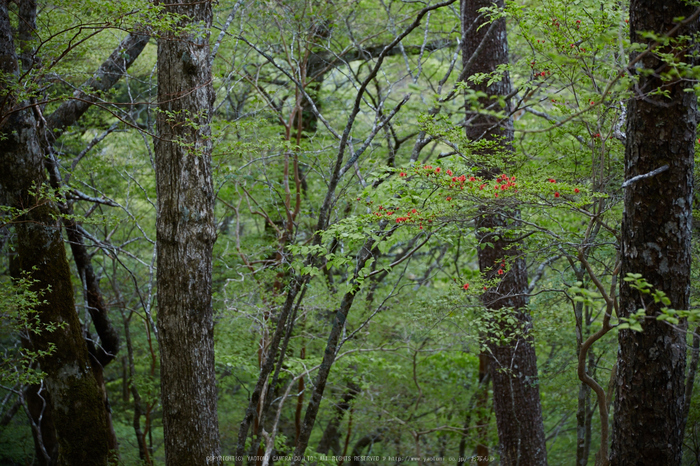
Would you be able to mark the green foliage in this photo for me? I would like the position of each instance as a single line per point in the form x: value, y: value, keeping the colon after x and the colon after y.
x: 412, y: 340
x: 18, y: 320
x: 666, y: 314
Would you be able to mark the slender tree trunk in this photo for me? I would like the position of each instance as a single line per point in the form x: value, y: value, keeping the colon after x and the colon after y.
x: 330, y: 440
x: 185, y: 238
x: 513, y: 365
x: 656, y: 233
x: 482, y: 408
x: 329, y: 356
x: 38, y: 403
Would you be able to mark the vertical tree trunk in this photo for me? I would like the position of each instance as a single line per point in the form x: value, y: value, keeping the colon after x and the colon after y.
x: 185, y: 238
x: 330, y: 440
x: 513, y: 365
x: 656, y: 233
x: 78, y: 412
x: 483, y: 414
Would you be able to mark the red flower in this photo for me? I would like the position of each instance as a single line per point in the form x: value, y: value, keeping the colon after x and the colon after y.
x: 482, y: 187
x: 592, y: 102
x: 465, y: 287
x: 449, y: 172
x: 556, y: 194
x: 471, y: 178
x: 495, y: 195
x: 437, y: 170
x: 576, y: 190
x: 402, y: 174
x: 449, y: 198
x: 500, y: 271
x: 413, y: 211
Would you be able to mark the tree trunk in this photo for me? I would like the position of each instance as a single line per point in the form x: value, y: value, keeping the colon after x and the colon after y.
x: 656, y: 233
x: 78, y: 414
x: 513, y: 365
x: 330, y: 440
x: 185, y: 238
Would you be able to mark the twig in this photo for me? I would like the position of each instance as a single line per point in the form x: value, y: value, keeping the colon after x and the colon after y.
x: 646, y: 175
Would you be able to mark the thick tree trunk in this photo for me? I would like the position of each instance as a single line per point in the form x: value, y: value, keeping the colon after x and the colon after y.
x: 656, y: 233
x: 185, y: 238
x: 78, y: 414
x: 513, y: 365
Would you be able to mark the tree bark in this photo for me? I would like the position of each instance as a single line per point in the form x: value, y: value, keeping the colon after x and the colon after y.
x: 185, y: 238
x: 513, y: 365
x: 78, y: 412
x: 656, y: 233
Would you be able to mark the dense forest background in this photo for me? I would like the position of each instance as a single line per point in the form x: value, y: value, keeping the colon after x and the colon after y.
x: 348, y: 228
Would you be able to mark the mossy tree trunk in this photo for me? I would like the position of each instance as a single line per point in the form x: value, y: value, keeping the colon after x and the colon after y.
x: 185, y: 238
x: 656, y: 235
x: 78, y: 411
x: 513, y: 365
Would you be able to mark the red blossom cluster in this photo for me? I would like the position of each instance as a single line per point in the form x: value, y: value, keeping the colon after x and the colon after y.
x: 501, y: 270
x: 413, y: 216
x: 449, y: 179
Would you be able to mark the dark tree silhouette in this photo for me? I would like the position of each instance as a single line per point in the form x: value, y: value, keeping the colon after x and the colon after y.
x: 656, y: 233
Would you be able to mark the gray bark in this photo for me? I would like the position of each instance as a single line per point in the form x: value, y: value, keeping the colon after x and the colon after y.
x: 185, y: 238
